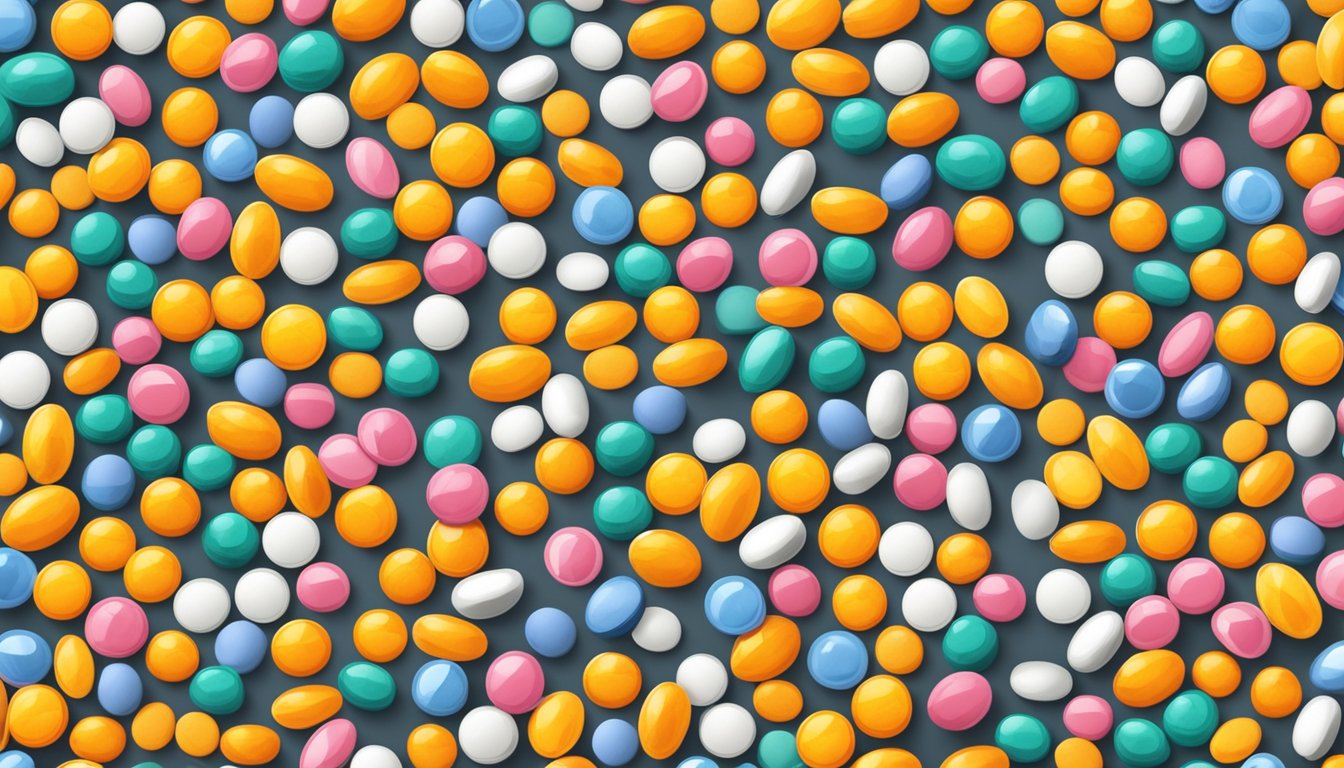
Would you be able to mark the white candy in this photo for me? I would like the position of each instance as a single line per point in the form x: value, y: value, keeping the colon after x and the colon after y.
x: 727, y: 730
x: 291, y: 539
x: 1311, y: 427
x: 375, y: 755
x: 528, y: 78
x: 262, y: 595
x: 658, y: 630
x: 773, y: 542
x: 1035, y: 510
x: 1073, y: 269
x: 929, y: 604
x: 906, y: 548
x: 1139, y: 82
x: 676, y: 164
x: 87, y: 124
x: 626, y: 101
x: 595, y: 46
x: 487, y: 594
x: 704, y: 678
x: 1316, y: 727
x: 564, y: 404
x: 1316, y: 282
x: 516, y: 250
x: 201, y: 605
x: 1095, y: 642
x: 1184, y: 105
x: 321, y: 120
x: 968, y: 496
x: 24, y: 379
x: 69, y: 326
x: 1063, y: 596
x: 585, y: 6
x: 718, y: 440
x: 39, y: 142
x: 582, y: 271
x: 440, y: 322
x: 888, y: 398
x: 487, y: 735
x: 437, y: 23
x: 788, y: 182
x: 861, y: 469
x: 901, y: 67
x: 308, y: 256
x: 138, y: 28
x: 516, y: 428
x: 1040, y: 681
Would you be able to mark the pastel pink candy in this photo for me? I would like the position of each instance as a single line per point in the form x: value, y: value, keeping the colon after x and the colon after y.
x: 125, y: 94
x: 330, y: 746
x: 1195, y: 585
x: 1323, y: 207
x: 730, y: 141
x: 116, y: 627
x: 136, y: 340
x: 679, y: 92
x: 457, y: 494
x: 920, y: 482
x: 309, y: 405
x: 1092, y: 360
x: 323, y: 587
x: 1323, y: 499
x: 704, y: 264
x: 999, y: 597
x: 923, y: 239
x: 1151, y: 622
x: 959, y: 701
x: 1330, y: 579
x: 1202, y: 163
x: 932, y: 428
x: 1243, y: 629
x: 158, y: 393
x: 454, y: 264
x: 514, y: 682
x: 1000, y: 80
x: 794, y: 590
x: 573, y: 556
x: 1339, y: 416
x: 248, y: 63
x: 1186, y: 345
x: 372, y: 168
x: 345, y: 463
x: 387, y: 436
x: 304, y: 12
x: 1088, y: 717
x: 204, y: 228
x: 1280, y: 116
x: 787, y: 257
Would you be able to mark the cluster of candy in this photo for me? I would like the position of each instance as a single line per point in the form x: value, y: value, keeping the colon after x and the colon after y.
x: 195, y: 550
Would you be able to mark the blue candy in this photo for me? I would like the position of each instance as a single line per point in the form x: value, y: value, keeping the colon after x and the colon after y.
x: 1252, y: 195
x: 1262, y: 760
x: 1327, y: 671
x: 602, y: 215
x: 1261, y: 24
x: 615, y: 607
x: 439, y: 688
x: 1052, y: 333
x: 906, y: 182
x: 660, y: 409
x: 991, y: 433
x: 550, y: 632
x: 152, y: 239
x: 1135, y: 388
x: 241, y: 645
x: 837, y: 660
x: 17, y: 576
x: 843, y: 425
x: 1214, y: 6
x: 1205, y: 393
x: 25, y: 658
x: 697, y: 761
x: 108, y: 482
x: 230, y: 155
x: 16, y: 759
x: 615, y: 742
x: 495, y: 25
x: 271, y: 121
x: 734, y: 605
x: 120, y: 689
x: 479, y: 217
x: 261, y: 382
x: 1296, y: 539
x: 18, y: 24
x: 6, y: 430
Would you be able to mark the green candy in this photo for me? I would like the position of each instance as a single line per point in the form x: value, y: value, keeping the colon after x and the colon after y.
x: 550, y: 24
x: 230, y: 540
x: 97, y: 239
x: 411, y: 373
x: 1140, y: 743
x: 623, y: 448
x: 766, y: 360
x: 37, y: 80
x: 217, y: 690
x: 735, y: 311
x: 355, y: 328
x: 642, y: 269
x: 1197, y: 228
x: 958, y: 51
x: 848, y: 264
x: 971, y: 163
x: 147, y: 765
x: 1049, y: 104
x: 154, y: 451
x: 836, y: 364
x: 366, y: 686
x: 1041, y: 221
x: 311, y: 61
x: 131, y: 284
x: 859, y: 126
x: 369, y: 233
x: 217, y: 353
x: 1190, y: 718
x: 1178, y: 47
x: 970, y: 644
x: 622, y: 513
x: 104, y: 419
x: 1162, y: 283
x: 452, y: 440
x: 778, y: 749
x: 207, y: 467
x: 1210, y: 482
x: 1173, y: 447
x: 1023, y: 737
x: 1126, y: 578
x: 514, y: 130
x: 7, y: 126
x: 1145, y: 157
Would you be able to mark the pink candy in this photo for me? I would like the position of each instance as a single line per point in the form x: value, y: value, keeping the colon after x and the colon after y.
x: 787, y: 257
x: 301, y: 13
x: 923, y: 239
x: 372, y: 168
x: 1202, y: 163
x: 454, y: 264
x: 704, y: 264
x: 248, y: 63
x: 1092, y: 360
x: 1151, y: 622
x: 679, y: 92
x: 1195, y: 585
x: 330, y: 746
x: 136, y: 340
x: 959, y: 701
x: 204, y: 228
x: 1088, y: 717
x: 309, y: 406
x: 573, y: 556
x: 999, y: 597
x: 1243, y: 629
x: 1186, y: 345
x: 1280, y: 116
x: 1000, y: 80
x: 794, y: 591
x: 1330, y: 579
x: 1323, y: 499
x: 126, y: 94
x: 323, y: 587
x: 387, y: 436
x: 514, y: 682
x: 158, y: 394
x: 730, y: 141
x: 116, y: 627
x: 932, y: 428
x: 920, y: 482
x: 345, y: 463
x: 457, y: 494
x: 1323, y: 207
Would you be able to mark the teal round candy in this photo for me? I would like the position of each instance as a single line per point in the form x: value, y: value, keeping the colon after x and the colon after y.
x: 154, y: 451
x: 131, y: 284
x: 1178, y: 47
x: 230, y: 540
x: 366, y: 686
x: 411, y: 373
x: 369, y: 233
x: 1173, y: 447
x: 1126, y: 578
x: 1041, y: 221
x: 7, y: 125
x: 859, y: 126
x: 36, y: 80
x: 1197, y: 228
x: 1140, y: 743
x: 514, y: 130
x: 207, y: 467
x: 1210, y: 482
x: 778, y: 749
x: 622, y: 513
x: 1049, y: 104
x: 735, y: 311
x: 623, y: 448
x: 766, y: 360
x: 1162, y: 283
x: 1145, y: 156
x: 848, y: 263
x: 1023, y: 737
x: 217, y: 690
x: 217, y: 353
x: 104, y: 419
x: 836, y: 364
x: 97, y: 239
x: 355, y: 328
x: 311, y: 61
x: 642, y: 269
x: 452, y: 440
x: 971, y: 163
x: 958, y: 51
x: 970, y: 644
x: 550, y: 24
x: 1190, y: 718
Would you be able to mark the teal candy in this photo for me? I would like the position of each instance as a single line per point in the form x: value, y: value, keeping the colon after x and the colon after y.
x: 366, y: 686
x: 1162, y: 283
x: 1210, y: 482
x: 452, y: 440
x: 642, y: 269
x: 1023, y: 737
x: 208, y: 467
x: 1190, y: 718
x: 1145, y: 157
x: 97, y: 239
x: 766, y: 360
x: 848, y: 263
x: 217, y: 690
x: 104, y: 419
x: 131, y: 284
x: 623, y: 448
x: 154, y: 451
x: 622, y: 513
x: 217, y: 353
x: 970, y: 644
x: 836, y: 364
x: 230, y: 540
x: 958, y: 51
x: 369, y: 233
x: 1173, y: 447
x: 1041, y: 221
x: 1126, y: 578
x: 1197, y: 228
x: 515, y: 130
x: 778, y: 749
x: 411, y: 373
x: 550, y: 24
x: 355, y: 328
x: 1049, y: 105
x: 735, y: 311
x: 1140, y: 743
x: 1178, y: 47
x: 859, y: 126
x: 311, y: 61
x: 971, y: 163
x: 7, y: 125
x: 36, y: 80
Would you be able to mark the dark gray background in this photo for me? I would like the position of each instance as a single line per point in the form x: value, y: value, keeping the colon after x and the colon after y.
x: 1018, y: 272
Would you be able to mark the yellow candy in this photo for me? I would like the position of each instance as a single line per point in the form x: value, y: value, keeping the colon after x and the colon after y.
x: 848, y: 536
x: 170, y: 507
x: 1236, y: 540
x: 767, y: 651
x: 431, y: 746
x: 381, y: 282
x: 665, y: 31
x: 980, y: 307
x: 735, y: 17
x: 925, y: 311
x: 300, y: 648
x: 779, y: 416
x: 1118, y: 453
x: 7, y: 182
x: 556, y: 724
x: 1332, y: 117
x: 1166, y: 530
x: 1216, y: 673
x: 1036, y: 161
x: 423, y: 211
x: 190, y: 116
x: 664, y: 718
x: 941, y: 370
x: 1236, y: 74
x: 564, y: 465
x: 306, y: 706
x: 612, y: 367
x: 196, y: 46
x: 899, y: 650
x: 868, y: 19
x: 983, y: 227
x: 1086, y: 191
x: 794, y: 117
x: 1126, y: 20
x: 612, y: 680
x: 182, y: 311
x: 152, y: 574
x: 1311, y: 354
x: 1311, y: 159
x: 172, y: 656
x: 675, y: 482
x: 1266, y: 402
x: 1088, y: 541
x: 599, y: 324
x: 666, y: 219
x: 1276, y: 254
x: 1014, y: 28
x: 728, y: 200
x: 1092, y: 138
x: 70, y: 187
x: 239, y: 302
x: 1245, y: 439
x: 1288, y: 600
x: 1330, y: 52
x: 254, y: 245
x: 406, y: 576
x: 1122, y: 319
x: 34, y: 212
x: 294, y: 337
x: 173, y: 185
x: 690, y: 362
x: 664, y: 558
x: 1276, y: 692
x: 1148, y: 677
x: 18, y: 300
x: 521, y: 508
x: 81, y: 30
x: 53, y: 271
x: 117, y: 172
x: 249, y: 11
x: 1245, y: 334
x: 1080, y: 51
x: 366, y: 516
x: 37, y: 716
x: 1009, y: 375
x: 1073, y: 479
x: 922, y: 118
x: 384, y: 83
x: 72, y: 662
x: 152, y: 727
x: 361, y: 20
x: 380, y: 635
x: 859, y: 602
x: 294, y: 183
x: 13, y: 474
x: 672, y: 314
x: 798, y: 480
x: 588, y: 164
x: 1077, y: 753
x: 257, y: 493
x: 825, y: 739
x: 797, y: 24
x: 977, y: 757
x: 249, y: 744
x: 872, y: 325
x: 306, y: 482
x: 526, y: 187
x: 527, y: 316
x: 1264, y: 480
x: 887, y: 757
x: 738, y: 67
x: 565, y: 113
x: 778, y: 701
x: 1235, y: 740
x: 454, y: 79
x: 62, y: 590
x: 830, y: 72
x: 963, y: 557
x: 1215, y: 274
x: 411, y: 125
x: 882, y: 707
x: 243, y: 430
x: 1138, y: 224
x: 448, y: 637
x: 39, y: 518
x: 48, y: 443
x: 729, y: 502
x: 106, y: 543
x: 1061, y: 422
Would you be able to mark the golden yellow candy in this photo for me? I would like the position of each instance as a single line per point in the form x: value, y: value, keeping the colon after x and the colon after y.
x: 862, y: 317
x: 730, y: 501
x: 1266, y: 402
x: 1235, y: 74
x: 294, y: 183
x: 196, y: 46
x: 152, y: 574
x: 1122, y: 319
x: 18, y: 300
x: 980, y: 307
x: 1166, y: 530
x: 70, y: 187
x: 13, y: 474
x: 588, y: 164
x: 728, y: 200
x: 1297, y: 65
x: 106, y: 543
x: 738, y: 67
x: 565, y: 113
x: 7, y: 183
x: 848, y: 535
x: 1216, y: 673
x: 881, y: 707
x: 382, y: 282
x: 48, y: 443
x: 411, y: 126
x: 170, y: 507
x: 172, y: 656
x: 778, y: 701
x: 257, y: 494
x: 868, y: 19
x: 384, y: 83
x: 1060, y: 422
x: 189, y: 116
x: 922, y: 118
x: 830, y: 72
x: 249, y: 11
x: 1245, y: 334
x: 362, y: 20
x: 767, y: 651
x: 34, y: 213
x: 521, y: 508
x: 825, y: 739
x: 152, y: 727
x: 1080, y: 51
x: 305, y: 706
x: 1009, y: 375
x: 563, y: 465
x: 675, y: 482
x: 244, y: 430
x: 249, y: 744
x: 665, y: 31
x: 72, y: 662
x: 53, y: 271
x: 690, y: 362
x: 239, y: 302
x: 779, y: 416
x: 1036, y: 161
x: 1014, y: 28
x: 1118, y: 453
x: 1332, y: 117
x: 1216, y: 274
x: 1138, y: 224
x: 1276, y: 254
x: 612, y: 680
x: 1311, y: 354
x: 1092, y: 137
x: 197, y: 734
x: 306, y: 483
x: 1148, y: 677
x: 1073, y: 479
x: 118, y: 171
x: 978, y: 756
x: 1276, y: 692
x: 899, y: 650
x: 859, y: 602
x: 963, y: 558
x: 366, y: 516
x: 1235, y: 740
x: 1244, y: 439
x: 175, y: 184
x: 798, y: 480
x: 1077, y: 753
x: 1088, y: 541
x: 1265, y: 479
x: 454, y: 79
x: 431, y: 746
x: 525, y: 187
x: 294, y: 337
x: 664, y: 558
x: 423, y: 211
x: 406, y: 576
x: 666, y: 219
x: 1312, y: 158
x: 448, y: 637
x: 797, y: 24
x: 1330, y: 52
x: 983, y: 227
x: 556, y: 723
x: 887, y: 757
x: 1236, y: 540
x: 672, y: 314
x: 39, y: 518
x: 1288, y: 600
x: 300, y: 648
x: 380, y: 635
x: 1126, y: 20
x: 735, y: 17
x: 612, y: 367
x: 941, y: 370
x: 62, y: 590
x: 37, y: 716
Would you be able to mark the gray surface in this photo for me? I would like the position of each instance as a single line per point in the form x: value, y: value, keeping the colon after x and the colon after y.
x: 1017, y: 272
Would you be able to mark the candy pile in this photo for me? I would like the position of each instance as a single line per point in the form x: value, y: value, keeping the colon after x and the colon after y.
x: 753, y: 492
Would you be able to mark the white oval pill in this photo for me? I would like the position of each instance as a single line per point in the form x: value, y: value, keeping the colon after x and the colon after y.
x: 1316, y: 727
x: 727, y: 730
x: 201, y: 605
x: 704, y: 678
x: 291, y: 539
x: 39, y: 142
x: 564, y: 404
x: 517, y: 250
x: 788, y: 182
x: 1063, y: 596
x: 718, y: 440
x: 1073, y: 269
x: 1316, y: 282
x: 261, y: 595
x: 1184, y: 105
x: 626, y: 102
x: 1035, y: 509
x: 437, y: 23
x: 87, y: 125
x: 582, y: 271
x: 69, y: 326
x: 906, y: 548
x: 901, y: 67
x: 1095, y: 642
x: 440, y: 322
x: 308, y: 256
x: 1311, y: 427
x: 676, y: 164
x: 1139, y: 82
x: 968, y: 496
x: 658, y: 630
x: 487, y: 735
x: 885, y: 408
x: 929, y: 604
x: 862, y: 468
x: 24, y: 379
x: 321, y: 120
x: 138, y: 28
x: 1040, y: 681
x: 528, y: 78
x: 772, y: 542
x: 487, y: 594
x: 375, y: 756
x: 516, y: 428
x: 595, y: 46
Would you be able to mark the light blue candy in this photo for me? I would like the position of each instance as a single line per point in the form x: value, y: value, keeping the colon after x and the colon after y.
x: 17, y: 576
x: 660, y: 409
x: 1052, y: 333
x: 152, y: 239
x: 440, y: 688
x: 1135, y: 388
x: 991, y: 433
x: 906, y: 182
x: 1214, y: 6
x: 16, y: 759
x: 1252, y: 195
x: 843, y: 425
x: 120, y: 689
x: 697, y: 761
x: 241, y: 645
x: 1261, y: 24
x: 1327, y: 671
x: 108, y: 482
x: 6, y: 431
x: 1262, y: 760
x: 615, y: 742
x: 479, y: 217
x: 271, y: 121
x: 25, y: 658
x: 615, y: 607
x: 734, y: 605
x: 18, y: 24
x: 550, y: 632
x: 602, y: 215
x: 260, y: 382
x: 495, y: 25
x: 1205, y: 393
x: 837, y: 660
x: 230, y: 155
x: 1296, y: 540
